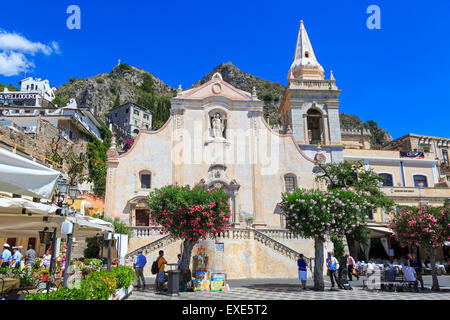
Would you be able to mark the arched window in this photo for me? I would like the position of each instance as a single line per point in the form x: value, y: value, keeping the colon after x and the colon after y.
x: 387, y: 179
x: 315, y: 126
x: 418, y: 179
x: 145, y: 179
x: 290, y: 182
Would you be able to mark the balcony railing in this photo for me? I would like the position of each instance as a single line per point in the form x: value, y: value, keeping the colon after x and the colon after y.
x: 313, y: 84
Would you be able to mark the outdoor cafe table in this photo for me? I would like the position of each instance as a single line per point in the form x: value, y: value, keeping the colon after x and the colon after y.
x: 7, y: 284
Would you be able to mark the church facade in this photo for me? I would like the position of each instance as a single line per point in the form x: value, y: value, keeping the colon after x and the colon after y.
x: 217, y: 137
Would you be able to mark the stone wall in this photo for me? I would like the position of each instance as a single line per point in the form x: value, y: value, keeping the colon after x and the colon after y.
x: 47, y: 140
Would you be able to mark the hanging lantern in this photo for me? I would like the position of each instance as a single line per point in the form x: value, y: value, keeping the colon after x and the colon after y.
x: 45, y: 236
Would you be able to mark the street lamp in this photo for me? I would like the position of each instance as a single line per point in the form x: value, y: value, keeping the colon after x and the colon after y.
x: 109, y: 237
x: 73, y: 192
x: 100, y: 239
x: 45, y: 236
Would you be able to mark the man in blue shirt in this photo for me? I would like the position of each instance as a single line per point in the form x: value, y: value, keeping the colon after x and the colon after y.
x: 301, y: 263
x: 16, y: 259
x: 414, y: 261
x: 6, y: 256
x: 138, y: 264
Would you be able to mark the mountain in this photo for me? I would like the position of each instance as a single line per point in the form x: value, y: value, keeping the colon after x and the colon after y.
x: 126, y: 83
x: 123, y: 84
x: 270, y: 92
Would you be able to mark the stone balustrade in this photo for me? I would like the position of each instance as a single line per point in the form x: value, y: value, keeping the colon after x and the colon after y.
x: 282, y: 234
x: 313, y: 84
x: 267, y: 237
x: 146, y: 232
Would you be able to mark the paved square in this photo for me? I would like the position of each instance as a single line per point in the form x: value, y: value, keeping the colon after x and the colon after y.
x: 289, y: 289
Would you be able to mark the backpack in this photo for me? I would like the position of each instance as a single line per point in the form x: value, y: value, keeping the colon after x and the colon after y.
x: 155, y: 268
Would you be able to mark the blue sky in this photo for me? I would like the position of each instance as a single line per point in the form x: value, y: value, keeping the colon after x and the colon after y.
x: 398, y: 76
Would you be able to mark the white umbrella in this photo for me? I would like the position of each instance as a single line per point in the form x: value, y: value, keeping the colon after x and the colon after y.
x: 22, y: 176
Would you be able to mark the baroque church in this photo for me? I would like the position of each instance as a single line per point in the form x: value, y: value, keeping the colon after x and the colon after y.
x: 217, y: 137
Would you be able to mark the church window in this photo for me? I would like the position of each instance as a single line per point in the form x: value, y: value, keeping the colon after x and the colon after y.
x: 387, y: 179
x: 290, y: 181
x: 315, y: 126
x: 145, y: 178
x: 418, y: 179
x: 306, y: 54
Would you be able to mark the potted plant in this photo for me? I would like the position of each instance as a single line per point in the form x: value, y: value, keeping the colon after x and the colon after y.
x: 250, y: 220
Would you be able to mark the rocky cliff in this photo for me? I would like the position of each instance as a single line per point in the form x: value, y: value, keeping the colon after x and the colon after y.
x: 103, y: 91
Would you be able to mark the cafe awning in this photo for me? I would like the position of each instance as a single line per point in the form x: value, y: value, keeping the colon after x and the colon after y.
x: 25, y: 177
x: 17, y: 222
x: 379, y: 231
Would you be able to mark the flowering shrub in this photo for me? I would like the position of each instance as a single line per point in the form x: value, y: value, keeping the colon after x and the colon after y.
x: 322, y: 216
x: 128, y: 144
x: 314, y: 213
x: 425, y: 226
x: 189, y: 214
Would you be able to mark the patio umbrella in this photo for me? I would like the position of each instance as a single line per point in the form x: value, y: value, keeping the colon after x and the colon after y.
x: 22, y: 176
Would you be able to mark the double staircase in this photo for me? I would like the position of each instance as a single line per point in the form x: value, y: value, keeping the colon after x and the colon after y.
x: 266, y: 237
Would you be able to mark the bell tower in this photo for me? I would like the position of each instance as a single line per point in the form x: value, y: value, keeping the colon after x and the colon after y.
x: 310, y: 106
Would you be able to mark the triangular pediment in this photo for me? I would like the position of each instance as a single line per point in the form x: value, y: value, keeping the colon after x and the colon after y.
x: 216, y: 87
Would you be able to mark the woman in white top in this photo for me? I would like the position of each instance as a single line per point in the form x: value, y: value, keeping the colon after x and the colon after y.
x: 46, y: 259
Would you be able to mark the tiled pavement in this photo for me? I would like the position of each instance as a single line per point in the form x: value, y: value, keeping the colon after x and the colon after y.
x: 289, y: 289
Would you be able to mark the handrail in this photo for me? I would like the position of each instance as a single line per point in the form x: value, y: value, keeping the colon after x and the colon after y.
x: 32, y: 153
x: 292, y: 253
x: 152, y: 245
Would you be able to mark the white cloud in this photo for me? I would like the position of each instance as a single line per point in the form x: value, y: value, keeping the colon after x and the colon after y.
x: 14, y: 63
x: 13, y: 50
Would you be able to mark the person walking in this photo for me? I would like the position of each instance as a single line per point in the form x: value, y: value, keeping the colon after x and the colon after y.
x: 138, y: 264
x: 414, y: 261
x: 302, y: 272
x: 332, y: 266
x: 16, y: 259
x: 179, y: 261
x: 30, y: 257
x: 6, y: 256
x: 161, y: 261
x: 342, y: 271
x: 63, y: 265
x: 350, y: 267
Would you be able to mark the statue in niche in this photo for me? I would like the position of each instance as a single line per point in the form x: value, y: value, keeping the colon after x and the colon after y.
x: 218, y: 126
